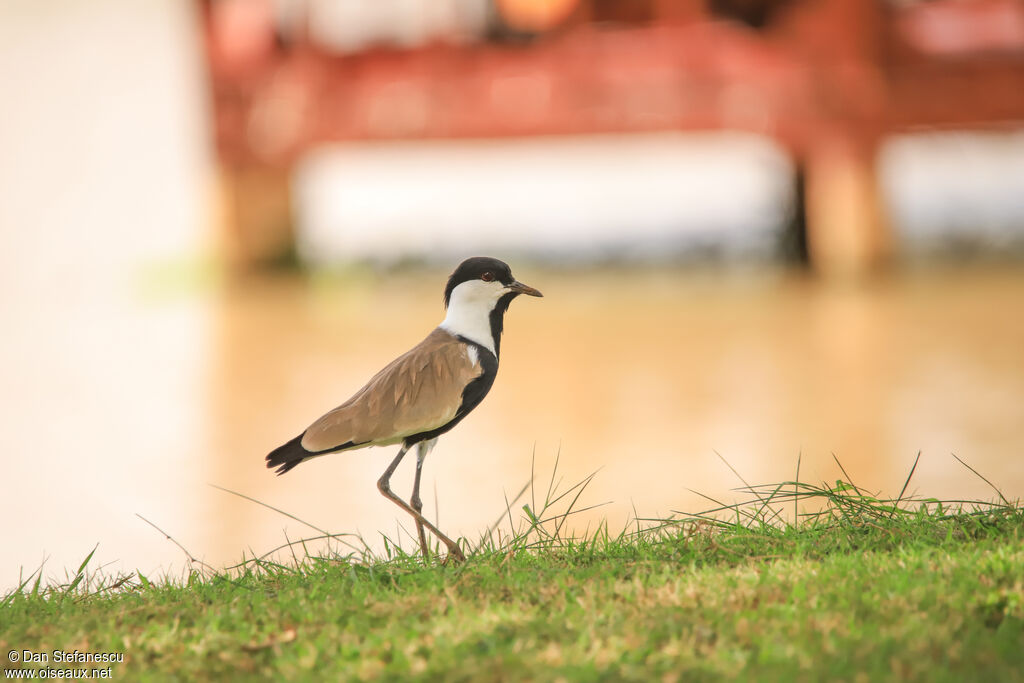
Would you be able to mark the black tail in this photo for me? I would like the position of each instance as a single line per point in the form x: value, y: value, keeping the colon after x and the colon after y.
x: 292, y: 453
x: 288, y: 456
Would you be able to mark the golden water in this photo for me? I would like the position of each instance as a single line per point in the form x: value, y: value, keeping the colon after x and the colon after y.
x: 643, y: 374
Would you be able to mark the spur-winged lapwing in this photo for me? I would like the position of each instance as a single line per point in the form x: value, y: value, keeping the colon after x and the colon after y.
x: 424, y: 392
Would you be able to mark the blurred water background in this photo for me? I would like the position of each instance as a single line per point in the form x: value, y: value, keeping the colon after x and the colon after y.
x: 190, y: 271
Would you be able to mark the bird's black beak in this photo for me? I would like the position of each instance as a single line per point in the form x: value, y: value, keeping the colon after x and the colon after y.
x: 519, y: 288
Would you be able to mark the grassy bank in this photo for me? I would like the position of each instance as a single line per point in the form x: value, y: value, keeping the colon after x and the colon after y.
x: 859, y: 589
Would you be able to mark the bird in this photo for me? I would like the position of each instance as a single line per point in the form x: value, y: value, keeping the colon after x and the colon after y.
x: 424, y: 392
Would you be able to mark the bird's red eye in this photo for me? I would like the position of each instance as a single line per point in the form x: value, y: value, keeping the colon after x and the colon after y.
x: 487, y: 277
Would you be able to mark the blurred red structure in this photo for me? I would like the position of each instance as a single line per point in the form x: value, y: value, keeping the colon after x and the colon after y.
x: 826, y: 78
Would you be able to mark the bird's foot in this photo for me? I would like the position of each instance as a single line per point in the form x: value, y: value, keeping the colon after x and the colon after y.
x: 454, y: 556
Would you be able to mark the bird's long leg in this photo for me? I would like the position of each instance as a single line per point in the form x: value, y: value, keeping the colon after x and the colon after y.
x: 384, y: 486
x: 423, y: 449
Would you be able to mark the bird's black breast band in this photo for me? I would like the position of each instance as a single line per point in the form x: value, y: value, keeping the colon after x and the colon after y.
x: 471, y: 395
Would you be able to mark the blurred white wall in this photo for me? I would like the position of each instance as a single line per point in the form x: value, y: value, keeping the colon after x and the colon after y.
x: 103, y: 132
x: 645, y: 196
x: 103, y: 164
x: 578, y: 197
x: 948, y: 190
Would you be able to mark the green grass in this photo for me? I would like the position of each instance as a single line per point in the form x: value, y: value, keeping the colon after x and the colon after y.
x: 802, y: 582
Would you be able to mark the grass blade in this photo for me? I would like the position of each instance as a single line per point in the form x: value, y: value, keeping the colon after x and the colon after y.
x: 1000, y: 493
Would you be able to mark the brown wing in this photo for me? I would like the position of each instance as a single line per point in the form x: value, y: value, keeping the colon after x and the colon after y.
x: 419, y: 391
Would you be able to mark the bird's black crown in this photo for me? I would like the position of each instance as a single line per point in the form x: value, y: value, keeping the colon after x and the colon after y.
x: 474, y: 269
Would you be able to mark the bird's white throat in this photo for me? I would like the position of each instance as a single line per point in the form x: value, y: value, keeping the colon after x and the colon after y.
x: 469, y: 311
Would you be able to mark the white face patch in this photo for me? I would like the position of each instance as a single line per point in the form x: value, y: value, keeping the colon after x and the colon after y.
x: 469, y: 310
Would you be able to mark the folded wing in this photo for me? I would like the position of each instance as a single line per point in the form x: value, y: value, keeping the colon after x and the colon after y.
x: 419, y: 391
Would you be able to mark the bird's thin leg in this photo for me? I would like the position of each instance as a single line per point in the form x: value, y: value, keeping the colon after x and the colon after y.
x: 383, y: 485
x: 423, y: 449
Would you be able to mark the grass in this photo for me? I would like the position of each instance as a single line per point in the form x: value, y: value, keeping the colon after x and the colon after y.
x: 801, y: 582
